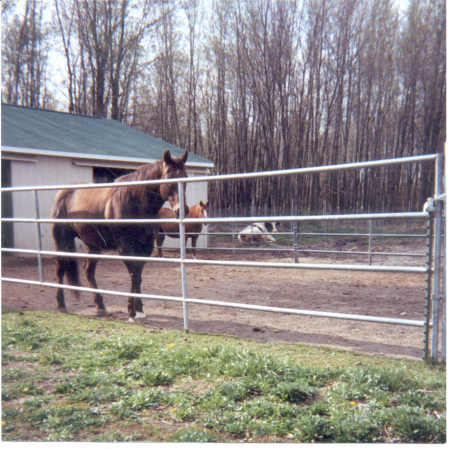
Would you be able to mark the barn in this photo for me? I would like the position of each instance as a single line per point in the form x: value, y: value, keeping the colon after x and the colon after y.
x: 42, y: 147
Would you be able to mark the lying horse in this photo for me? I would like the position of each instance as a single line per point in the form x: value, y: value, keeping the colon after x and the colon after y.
x: 192, y: 230
x: 258, y: 232
x: 141, y: 201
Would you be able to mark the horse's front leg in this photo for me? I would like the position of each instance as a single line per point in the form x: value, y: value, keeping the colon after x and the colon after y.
x: 159, y: 243
x: 194, y: 245
x: 89, y: 269
x: 135, y: 307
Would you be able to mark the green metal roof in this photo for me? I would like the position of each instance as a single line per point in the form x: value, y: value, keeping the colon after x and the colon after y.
x: 42, y: 131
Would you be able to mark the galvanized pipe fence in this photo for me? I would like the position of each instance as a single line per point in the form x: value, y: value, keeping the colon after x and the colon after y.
x: 295, y: 248
x: 434, y: 317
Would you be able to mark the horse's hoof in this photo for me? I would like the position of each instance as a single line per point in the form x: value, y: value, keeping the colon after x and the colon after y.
x: 140, y: 315
x: 131, y: 320
x: 102, y: 312
x: 62, y: 309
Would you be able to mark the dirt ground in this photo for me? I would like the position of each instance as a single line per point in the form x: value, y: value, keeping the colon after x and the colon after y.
x: 351, y: 292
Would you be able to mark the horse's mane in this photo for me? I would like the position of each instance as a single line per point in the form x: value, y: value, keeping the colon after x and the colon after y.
x: 129, y: 197
x: 143, y: 173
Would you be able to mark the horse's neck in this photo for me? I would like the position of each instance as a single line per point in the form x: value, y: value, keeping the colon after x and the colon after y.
x: 141, y: 200
x: 154, y: 199
x: 196, y: 211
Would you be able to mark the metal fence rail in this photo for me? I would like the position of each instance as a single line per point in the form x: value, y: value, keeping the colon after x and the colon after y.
x: 284, y: 248
x: 183, y: 261
x: 233, y: 263
x: 343, y: 316
x: 340, y: 217
x: 265, y: 174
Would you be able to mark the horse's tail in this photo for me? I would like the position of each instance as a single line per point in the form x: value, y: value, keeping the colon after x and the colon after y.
x: 64, y: 237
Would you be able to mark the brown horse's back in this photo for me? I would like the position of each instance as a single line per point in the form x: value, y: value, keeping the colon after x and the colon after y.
x: 86, y: 203
x: 83, y: 203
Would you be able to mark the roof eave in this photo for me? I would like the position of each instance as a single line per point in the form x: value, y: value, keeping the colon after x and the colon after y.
x: 95, y: 157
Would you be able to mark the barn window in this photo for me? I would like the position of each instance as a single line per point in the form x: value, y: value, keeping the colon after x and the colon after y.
x: 107, y: 174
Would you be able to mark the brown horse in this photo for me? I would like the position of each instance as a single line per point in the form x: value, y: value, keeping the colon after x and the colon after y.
x: 142, y: 201
x: 192, y: 230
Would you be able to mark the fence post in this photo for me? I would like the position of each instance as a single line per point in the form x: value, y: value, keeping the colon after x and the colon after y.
x: 444, y: 305
x: 181, y: 201
x: 233, y: 239
x: 426, y: 328
x: 296, y: 236
x: 38, y: 233
x: 437, y: 293
x: 370, y: 241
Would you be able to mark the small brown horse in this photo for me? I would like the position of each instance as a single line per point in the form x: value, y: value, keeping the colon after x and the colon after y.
x: 141, y: 201
x: 192, y: 230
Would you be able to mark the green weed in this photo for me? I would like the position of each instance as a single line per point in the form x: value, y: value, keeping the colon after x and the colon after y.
x: 411, y: 424
x: 314, y: 428
x: 63, y: 423
x: 295, y: 392
x: 192, y: 435
x: 146, y: 399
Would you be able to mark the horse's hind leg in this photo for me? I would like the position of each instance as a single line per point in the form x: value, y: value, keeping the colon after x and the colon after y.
x: 159, y: 242
x: 89, y: 269
x: 135, y: 307
x: 60, y: 269
x: 64, y: 238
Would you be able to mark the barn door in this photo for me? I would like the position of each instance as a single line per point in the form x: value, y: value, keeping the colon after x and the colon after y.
x: 7, y: 207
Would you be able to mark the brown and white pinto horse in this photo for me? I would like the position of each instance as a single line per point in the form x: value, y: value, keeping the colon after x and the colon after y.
x: 142, y: 201
x: 192, y: 230
x: 259, y: 233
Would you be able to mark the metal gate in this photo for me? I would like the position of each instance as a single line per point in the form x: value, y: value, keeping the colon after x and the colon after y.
x: 434, y: 318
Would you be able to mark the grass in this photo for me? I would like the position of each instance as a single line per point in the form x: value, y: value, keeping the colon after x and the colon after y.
x: 68, y: 378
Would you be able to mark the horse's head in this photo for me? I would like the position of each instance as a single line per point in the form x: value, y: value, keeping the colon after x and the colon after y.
x: 172, y: 167
x: 272, y: 226
x: 203, y: 209
x: 200, y: 210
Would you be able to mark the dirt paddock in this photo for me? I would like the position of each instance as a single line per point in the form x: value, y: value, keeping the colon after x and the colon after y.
x: 378, y: 294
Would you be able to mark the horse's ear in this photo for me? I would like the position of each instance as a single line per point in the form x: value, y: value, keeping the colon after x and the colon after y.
x: 167, y: 158
x: 185, y: 156
x: 202, y: 203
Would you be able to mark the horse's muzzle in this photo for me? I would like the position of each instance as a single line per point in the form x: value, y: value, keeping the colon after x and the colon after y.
x: 174, y: 203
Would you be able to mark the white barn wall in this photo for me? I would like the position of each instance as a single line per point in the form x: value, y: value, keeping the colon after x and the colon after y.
x: 43, y: 171
x: 47, y: 170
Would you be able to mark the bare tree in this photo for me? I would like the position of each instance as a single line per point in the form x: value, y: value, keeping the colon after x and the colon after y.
x: 268, y: 84
x: 193, y: 131
x: 323, y: 83
x: 24, y: 55
x: 102, y: 42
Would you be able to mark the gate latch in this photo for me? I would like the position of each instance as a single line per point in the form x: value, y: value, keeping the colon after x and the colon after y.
x: 431, y: 203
